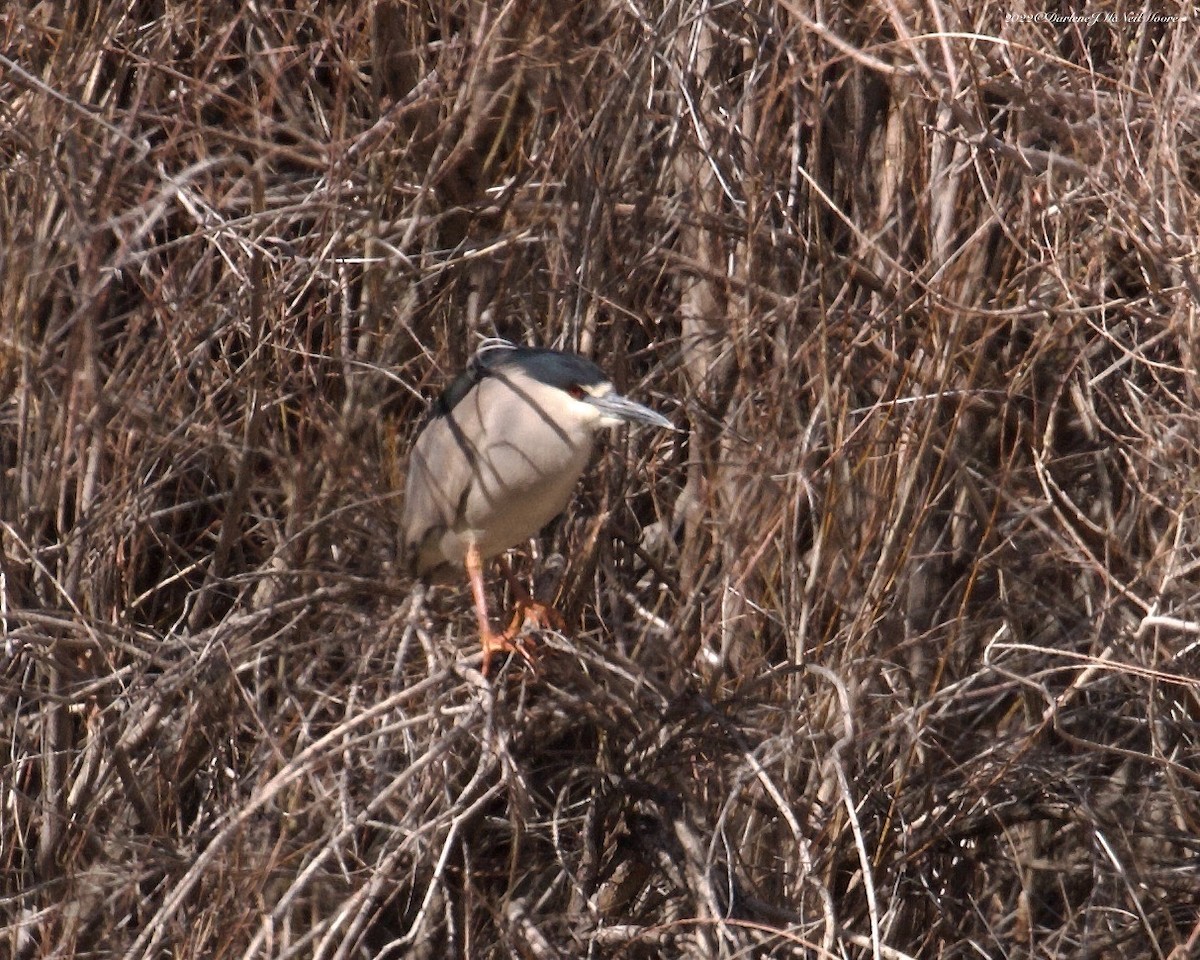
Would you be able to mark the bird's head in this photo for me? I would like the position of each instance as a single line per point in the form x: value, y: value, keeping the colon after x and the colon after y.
x: 586, y: 393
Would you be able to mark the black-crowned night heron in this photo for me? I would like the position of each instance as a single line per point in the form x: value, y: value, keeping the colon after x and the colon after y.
x: 497, y: 459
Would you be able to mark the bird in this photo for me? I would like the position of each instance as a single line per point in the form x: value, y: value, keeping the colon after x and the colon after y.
x: 496, y: 459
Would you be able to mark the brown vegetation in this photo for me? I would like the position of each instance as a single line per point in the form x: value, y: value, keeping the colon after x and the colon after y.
x: 891, y: 651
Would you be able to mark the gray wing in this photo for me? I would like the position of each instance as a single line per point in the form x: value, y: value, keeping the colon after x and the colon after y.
x: 439, y: 480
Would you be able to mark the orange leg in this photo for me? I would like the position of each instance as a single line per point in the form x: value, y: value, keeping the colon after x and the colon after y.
x: 492, y: 642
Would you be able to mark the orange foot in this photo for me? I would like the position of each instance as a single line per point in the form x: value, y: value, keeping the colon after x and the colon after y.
x: 526, y: 612
x: 505, y: 643
x: 539, y: 615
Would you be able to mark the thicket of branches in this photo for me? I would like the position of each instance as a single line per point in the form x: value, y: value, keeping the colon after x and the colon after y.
x: 889, y: 651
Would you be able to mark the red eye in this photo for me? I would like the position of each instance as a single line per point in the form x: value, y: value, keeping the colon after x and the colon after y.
x: 576, y: 391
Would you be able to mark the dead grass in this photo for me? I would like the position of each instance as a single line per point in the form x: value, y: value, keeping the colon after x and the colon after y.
x: 892, y: 652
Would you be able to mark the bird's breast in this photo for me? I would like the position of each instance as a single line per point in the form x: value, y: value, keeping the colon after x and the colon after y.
x: 519, y: 488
